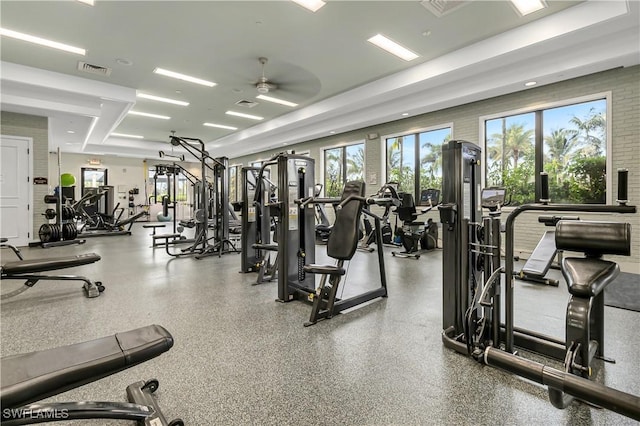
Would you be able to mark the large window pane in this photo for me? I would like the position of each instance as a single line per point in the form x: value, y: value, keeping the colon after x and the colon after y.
x: 342, y: 164
x: 233, y: 184
x: 333, y: 174
x: 510, y: 156
x: 355, y: 162
x: 575, y: 152
x: 431, y: 158
x: 401, y: 162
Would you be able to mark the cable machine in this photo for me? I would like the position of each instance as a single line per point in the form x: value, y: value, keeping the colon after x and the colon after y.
x: 473, y: 285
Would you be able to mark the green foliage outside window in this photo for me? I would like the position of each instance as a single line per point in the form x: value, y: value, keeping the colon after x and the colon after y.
x: 574, y: 154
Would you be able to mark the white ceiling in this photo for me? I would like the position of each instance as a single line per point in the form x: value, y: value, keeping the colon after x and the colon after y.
x: 320, y: 60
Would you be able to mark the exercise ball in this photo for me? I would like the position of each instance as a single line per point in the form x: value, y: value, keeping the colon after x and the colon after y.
x: 162, y: 218
x: 67, y: 179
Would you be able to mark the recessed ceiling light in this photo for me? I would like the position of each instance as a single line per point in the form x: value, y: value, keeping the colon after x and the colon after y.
x: 525, y: 7
x: 332, y: 132
x: 146, y: 114
x: 89, y: 2
x: 240, y: 114
x: 392, y: 47
x: 220, y: 126
x: 276, y: 100
x: 530, y: 83
x: 184, y: 77
x: 70, y: 131
x: 42, y: 41
x: 124, y: 135
x: 404, y: 114
x: 312, y: 5
x: 160, y: 99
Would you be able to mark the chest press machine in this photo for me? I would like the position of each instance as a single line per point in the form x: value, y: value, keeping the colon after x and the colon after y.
x: 472, y: 285
x: 295, y: 236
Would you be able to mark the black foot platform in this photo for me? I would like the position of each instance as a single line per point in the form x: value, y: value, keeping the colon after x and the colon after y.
x: 27, y: 378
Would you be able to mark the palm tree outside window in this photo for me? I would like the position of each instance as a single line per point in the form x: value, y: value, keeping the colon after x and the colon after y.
x: 571, y: 146
x: 414, y: 160
x: 342, y: 164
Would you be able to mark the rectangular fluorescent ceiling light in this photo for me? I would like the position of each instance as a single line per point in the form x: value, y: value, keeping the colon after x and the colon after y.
x: 392, y: 47
x: 240, y: 114
x: 526, y: 7
x: 184, y: 77
x: 124, y: 135
x: 146, y: 114
x: 220, y: 126
x: 312, y: 5
x: 89, y: 2
x: 42, y: 41
x: 276, y: 100
x: 159, y: 99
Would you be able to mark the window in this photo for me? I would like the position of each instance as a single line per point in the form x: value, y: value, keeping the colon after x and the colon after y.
x: 159, y: 180
x: 570, y: 145
x: 414, y: 160
x: 510, y: 155
x: 234, y: 188
x: 341, y: 165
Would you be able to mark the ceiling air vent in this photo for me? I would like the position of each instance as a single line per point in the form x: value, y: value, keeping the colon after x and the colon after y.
x: 94, y: 69
x: 247, y: 104
x: 443, y: 7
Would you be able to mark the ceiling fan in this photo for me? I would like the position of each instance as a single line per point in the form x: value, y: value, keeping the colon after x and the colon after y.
x: 264, y: 85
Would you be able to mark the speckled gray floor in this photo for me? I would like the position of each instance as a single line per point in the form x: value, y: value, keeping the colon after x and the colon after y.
x: 242, y: 358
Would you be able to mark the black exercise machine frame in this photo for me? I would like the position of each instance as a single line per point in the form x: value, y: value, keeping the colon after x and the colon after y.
x: 335, y: 306
x: 561, y: 384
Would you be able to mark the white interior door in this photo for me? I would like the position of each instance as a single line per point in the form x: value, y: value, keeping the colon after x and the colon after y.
x: 15, y: 189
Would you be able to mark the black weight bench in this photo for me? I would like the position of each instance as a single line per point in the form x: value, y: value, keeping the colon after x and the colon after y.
x: 537, y: 265
x: 29, y: 270
x: 586, y: 278
x: 31, y: 377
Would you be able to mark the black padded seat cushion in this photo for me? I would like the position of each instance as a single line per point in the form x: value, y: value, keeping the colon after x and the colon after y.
x: 587, y: 277
x: 37, y: 375
x: 593, y: 237
x: 32, y: 266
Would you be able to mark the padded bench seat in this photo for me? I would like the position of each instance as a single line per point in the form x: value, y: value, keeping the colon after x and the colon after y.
x: 36, y: 375
x: 31, y: 266
x: 325, y: 269
x: 588, y: 277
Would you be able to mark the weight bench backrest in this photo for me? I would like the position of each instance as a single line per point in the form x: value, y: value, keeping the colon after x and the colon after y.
x: 594, y: 238
x: 407, y: 210
x: 343, y: 240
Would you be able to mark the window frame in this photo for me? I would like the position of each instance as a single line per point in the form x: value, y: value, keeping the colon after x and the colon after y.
x: 416, y: 132
x: 539, y: 136
x: 344, y: 146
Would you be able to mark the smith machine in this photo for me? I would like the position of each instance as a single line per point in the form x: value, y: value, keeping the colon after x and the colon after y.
x: 474, y: 280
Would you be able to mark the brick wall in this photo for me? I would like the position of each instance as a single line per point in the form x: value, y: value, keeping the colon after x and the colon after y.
x: 37, y: 128
x: 624, y: 85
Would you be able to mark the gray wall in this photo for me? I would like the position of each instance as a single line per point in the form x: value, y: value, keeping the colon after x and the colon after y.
x: 624, y: 85
x: 31, y: 126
